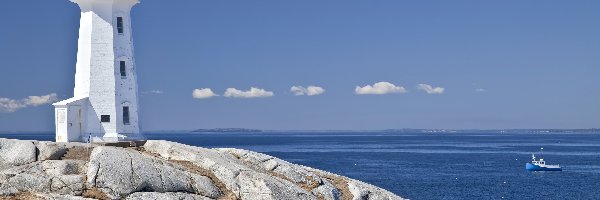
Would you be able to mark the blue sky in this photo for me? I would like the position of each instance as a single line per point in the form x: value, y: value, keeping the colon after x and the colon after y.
x: 502, y: 64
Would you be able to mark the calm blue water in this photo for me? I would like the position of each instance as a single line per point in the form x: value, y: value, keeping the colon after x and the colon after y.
x: 428, y: 166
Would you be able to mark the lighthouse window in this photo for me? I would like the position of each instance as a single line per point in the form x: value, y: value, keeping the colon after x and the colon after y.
x: 104, y: 118
x: 120, y: 24
x: 126, y: 115
x: 123, y: 68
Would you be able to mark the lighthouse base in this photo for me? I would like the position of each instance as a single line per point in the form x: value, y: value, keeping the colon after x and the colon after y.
x: 77, y: 121
x: 117, y: 138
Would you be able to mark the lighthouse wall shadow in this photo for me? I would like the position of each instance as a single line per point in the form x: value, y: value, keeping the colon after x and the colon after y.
x: 93, y: 125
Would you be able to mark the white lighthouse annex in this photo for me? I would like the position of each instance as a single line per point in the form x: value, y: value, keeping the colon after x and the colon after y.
x: 105, y: 103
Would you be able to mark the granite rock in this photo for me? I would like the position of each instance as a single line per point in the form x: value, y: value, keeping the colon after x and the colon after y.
x: 165, y: 196
x: 50, y: 150
x: 16, y: 153
x: 365, y: 191
x: 119, y: 172
x: 56, y: 176
x: 243, y: 180
x: 166, y: 170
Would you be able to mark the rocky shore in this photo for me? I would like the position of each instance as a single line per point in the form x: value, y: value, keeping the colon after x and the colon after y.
x: 163, y: 170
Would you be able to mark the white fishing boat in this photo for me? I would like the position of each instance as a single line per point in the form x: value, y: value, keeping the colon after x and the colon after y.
x: 540, y: 165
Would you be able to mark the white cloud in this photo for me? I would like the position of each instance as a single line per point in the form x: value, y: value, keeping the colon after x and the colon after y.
x: 380, y: 88
x: 252, y: 93
x: 298, y: 90
x: 480, y: 90
x: 203, y: 93
x: 40, y: 100
x: 310, y: 90
x: 12, y: 105
x: 430, y: 90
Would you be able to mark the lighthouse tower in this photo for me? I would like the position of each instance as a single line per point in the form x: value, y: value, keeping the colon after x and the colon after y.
x: 105, y: 103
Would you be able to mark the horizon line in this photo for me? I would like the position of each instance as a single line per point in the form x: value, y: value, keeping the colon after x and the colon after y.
x: 330, y: 130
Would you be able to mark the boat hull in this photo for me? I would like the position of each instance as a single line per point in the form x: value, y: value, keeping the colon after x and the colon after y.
x: 532, y: 167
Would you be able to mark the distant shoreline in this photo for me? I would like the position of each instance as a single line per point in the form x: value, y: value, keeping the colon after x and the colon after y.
x: 425, y: 131
x: 227, y: 130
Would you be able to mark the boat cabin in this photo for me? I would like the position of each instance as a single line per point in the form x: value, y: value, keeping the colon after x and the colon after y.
x: 539, y: 162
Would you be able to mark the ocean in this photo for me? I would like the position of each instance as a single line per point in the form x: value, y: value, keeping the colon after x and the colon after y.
x: 428, y: 165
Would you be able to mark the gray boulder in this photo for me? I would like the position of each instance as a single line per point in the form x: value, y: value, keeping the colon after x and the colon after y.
x: 119, y: 172
x: 296, y: 174
x: 50, y: 150
x: 292, y: 172
x: 64, y: 167
x: 365, y: 191
x: 16, y: 153
x: 244, y: 181
x: 327, y: 191
x: 60, y: 197
x: 165, y: 196
x: 56, y: 150
x: 57, y: 176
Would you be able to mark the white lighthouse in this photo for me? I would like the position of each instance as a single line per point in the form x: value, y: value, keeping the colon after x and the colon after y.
x: 105, y: 103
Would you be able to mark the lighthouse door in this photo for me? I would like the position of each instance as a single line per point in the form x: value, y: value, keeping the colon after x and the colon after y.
x: 74, y: 123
